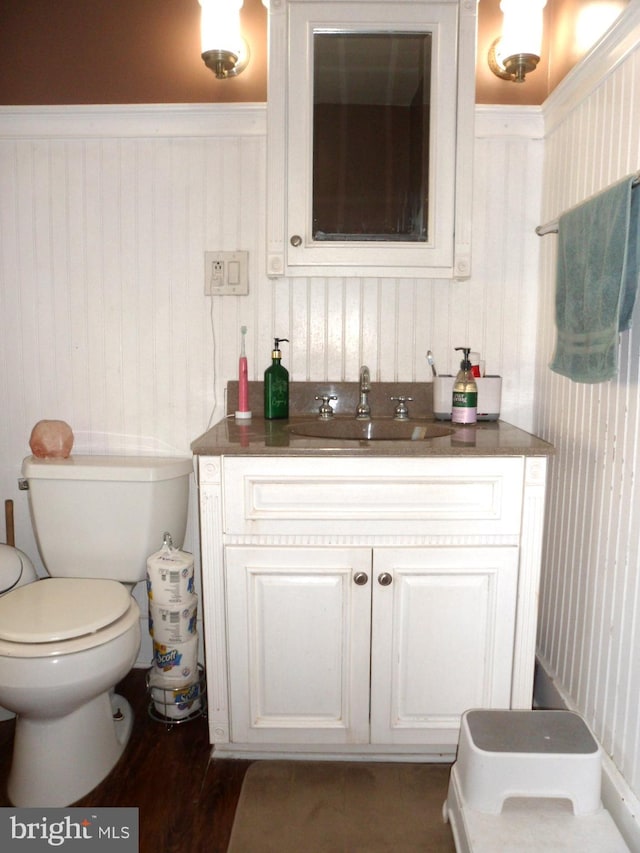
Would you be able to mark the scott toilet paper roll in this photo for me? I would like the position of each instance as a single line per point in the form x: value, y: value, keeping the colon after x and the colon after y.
x: 170, y: 575
x: 175, y: 702
x: 171, y: 624
x: 177, y: 660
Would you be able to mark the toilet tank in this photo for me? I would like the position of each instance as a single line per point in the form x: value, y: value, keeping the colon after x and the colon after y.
x: 103, y: 516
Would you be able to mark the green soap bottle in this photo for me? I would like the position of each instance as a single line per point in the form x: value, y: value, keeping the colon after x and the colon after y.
x: 276, y: 385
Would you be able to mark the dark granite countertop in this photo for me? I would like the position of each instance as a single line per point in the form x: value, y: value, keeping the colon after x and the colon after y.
x: 260, y: 437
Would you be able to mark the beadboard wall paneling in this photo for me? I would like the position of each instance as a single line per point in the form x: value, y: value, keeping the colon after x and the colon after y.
x: 105, y: 215
x: 589, y: 631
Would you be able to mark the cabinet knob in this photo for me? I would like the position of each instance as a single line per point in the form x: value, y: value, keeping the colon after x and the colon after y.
x: 360, y: 578
x: 384, y: 579
x: 296, y: 240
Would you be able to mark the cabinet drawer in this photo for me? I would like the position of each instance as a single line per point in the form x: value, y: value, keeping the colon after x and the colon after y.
x: 336, y: 496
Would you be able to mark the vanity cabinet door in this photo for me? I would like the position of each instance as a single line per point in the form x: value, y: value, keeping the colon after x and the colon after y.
x: 442, y: 641
x: 299, y: 621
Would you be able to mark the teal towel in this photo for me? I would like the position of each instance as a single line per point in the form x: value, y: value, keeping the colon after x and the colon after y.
x: 597, y: 278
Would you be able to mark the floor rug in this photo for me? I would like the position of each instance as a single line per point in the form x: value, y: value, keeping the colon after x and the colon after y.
x: 342, y: 807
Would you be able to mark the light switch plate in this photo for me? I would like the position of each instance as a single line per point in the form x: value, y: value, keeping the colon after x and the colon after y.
x: 225, y: 273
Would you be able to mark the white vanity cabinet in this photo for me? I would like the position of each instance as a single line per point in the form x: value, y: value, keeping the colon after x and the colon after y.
x: 360, y: 605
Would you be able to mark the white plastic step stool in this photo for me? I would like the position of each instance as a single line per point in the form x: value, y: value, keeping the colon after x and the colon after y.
x: 528, y: 780
x: 504, y: 754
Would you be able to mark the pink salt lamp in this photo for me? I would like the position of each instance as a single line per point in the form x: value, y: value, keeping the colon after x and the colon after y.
x: 51, y: 439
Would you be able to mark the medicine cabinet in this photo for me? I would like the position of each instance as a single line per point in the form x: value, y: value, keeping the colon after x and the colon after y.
x: 370, y: 137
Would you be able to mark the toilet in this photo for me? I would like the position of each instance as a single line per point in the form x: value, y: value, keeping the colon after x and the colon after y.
x: 66, y: 640
x: 16, y: 569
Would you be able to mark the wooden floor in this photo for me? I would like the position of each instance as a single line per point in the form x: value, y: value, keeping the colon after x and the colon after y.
x: 186, y: 799
x: 190, y: 809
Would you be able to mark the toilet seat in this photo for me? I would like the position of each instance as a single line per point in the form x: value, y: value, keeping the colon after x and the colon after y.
x: 57, y: 648
x: 60, y: 609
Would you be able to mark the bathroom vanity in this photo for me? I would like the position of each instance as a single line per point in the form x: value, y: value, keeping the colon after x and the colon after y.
x: 358, y: 595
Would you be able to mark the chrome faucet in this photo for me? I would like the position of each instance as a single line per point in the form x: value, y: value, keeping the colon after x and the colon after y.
x: 363, y: 410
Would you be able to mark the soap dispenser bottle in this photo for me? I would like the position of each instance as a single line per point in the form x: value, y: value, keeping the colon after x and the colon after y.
x: 464, y: 404
x: 276, y: 385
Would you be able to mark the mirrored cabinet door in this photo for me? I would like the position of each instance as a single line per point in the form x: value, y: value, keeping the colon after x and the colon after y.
x: 370, y: 137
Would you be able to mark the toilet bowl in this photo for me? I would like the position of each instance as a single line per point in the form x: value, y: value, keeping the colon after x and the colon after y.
x: 60, y: 689
x: 16, y: 569
x: 68, y: 639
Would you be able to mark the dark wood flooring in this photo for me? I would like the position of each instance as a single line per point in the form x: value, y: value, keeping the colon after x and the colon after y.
x: 187, y: 801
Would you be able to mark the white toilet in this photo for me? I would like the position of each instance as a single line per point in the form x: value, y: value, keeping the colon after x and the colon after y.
x: 67, y: 640
x: 16, y: 569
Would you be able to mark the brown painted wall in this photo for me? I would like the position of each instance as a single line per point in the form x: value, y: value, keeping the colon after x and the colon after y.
x: 119, y: 52
x: 148, y: 51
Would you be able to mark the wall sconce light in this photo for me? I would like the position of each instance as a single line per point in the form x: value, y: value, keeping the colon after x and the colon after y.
x: 224, y: 50
x: 517, y: 51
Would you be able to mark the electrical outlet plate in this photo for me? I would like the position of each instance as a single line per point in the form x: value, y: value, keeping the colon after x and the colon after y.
x: 225, y: 273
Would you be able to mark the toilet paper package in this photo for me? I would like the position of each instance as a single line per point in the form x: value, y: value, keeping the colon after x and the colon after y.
x: 170, y: 576
x: 175, y: 702
x: 171, y: 624
x: 176, y: 705
x: 177, y: 661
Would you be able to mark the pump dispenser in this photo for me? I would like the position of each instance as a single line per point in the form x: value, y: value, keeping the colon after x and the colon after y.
x: 464, y: 403
x: 276, y: 385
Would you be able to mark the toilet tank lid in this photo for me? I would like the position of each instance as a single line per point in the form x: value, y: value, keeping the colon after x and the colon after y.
x: 117, y: 468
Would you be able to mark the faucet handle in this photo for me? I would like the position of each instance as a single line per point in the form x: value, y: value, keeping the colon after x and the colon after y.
x: 401, y: 412
x: 325, y: 411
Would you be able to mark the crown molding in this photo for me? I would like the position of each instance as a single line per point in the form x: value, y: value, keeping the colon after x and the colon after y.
x: 615, y: 46
x: 133, y: 120
x: 509, y: 121
x: 195, y: 120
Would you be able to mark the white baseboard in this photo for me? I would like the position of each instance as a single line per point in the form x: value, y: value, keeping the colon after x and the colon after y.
x: 617, y: 797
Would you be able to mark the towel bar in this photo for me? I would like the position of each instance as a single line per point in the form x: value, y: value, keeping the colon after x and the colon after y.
x: 552, y: 226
